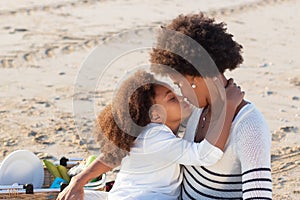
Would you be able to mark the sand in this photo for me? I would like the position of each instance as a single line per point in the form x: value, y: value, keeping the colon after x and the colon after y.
x: 44, y: 44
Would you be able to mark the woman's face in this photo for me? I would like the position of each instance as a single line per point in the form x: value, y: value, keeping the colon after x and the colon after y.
x: 198, y: 96
x: 172, y: 107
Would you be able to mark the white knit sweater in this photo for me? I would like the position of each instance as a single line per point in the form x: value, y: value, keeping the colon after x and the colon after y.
x: 243, y: 172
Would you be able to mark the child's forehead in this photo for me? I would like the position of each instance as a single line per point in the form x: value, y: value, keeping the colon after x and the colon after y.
x: 170, y: 83
x: 170, y: 86
x: 163, y: 85
x: 162, y: 90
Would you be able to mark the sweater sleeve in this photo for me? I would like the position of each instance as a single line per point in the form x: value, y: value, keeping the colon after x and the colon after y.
x: 192, y: 125
x: 253, y: 149
x: 178, y: 150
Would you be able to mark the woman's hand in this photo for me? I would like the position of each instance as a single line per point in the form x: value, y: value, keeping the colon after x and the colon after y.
x: 234, y: 95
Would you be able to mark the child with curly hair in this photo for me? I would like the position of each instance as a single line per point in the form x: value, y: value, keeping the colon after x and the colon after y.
x: 140, y: 126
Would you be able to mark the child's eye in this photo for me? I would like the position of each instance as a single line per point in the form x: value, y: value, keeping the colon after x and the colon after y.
x: 173, y: 99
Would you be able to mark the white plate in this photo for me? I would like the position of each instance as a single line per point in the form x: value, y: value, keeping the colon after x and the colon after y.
x: 22, y: 167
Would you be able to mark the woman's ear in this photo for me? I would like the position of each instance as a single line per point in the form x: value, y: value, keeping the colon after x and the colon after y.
x: 197, y: 80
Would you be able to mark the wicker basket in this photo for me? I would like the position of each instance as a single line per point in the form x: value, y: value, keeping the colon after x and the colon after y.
x: 37, y: 195
x: 46, y: 193
x: 48, y: 178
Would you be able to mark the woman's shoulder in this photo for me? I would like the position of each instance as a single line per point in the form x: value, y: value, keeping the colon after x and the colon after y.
x: 249, y: 114
x: 250, y: 123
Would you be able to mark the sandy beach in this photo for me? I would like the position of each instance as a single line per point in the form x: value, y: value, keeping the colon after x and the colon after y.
x: 45, y: 44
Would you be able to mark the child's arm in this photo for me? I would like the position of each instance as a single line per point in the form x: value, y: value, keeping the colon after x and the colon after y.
x: 204, y: 153
x: 161, y: 145
x: 234, y: 96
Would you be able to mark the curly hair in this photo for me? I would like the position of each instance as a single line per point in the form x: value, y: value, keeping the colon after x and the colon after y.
x: 212, y: 36
x: 115, y: 130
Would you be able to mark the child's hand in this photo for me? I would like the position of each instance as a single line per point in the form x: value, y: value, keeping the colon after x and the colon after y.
x: 72, y: 191
x: 234, y: 95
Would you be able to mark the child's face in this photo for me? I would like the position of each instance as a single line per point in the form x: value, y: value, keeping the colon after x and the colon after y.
x: 175, y: 109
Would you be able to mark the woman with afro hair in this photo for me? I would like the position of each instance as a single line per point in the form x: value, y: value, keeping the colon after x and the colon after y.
x: 244, y: 171
x: 140, y: 127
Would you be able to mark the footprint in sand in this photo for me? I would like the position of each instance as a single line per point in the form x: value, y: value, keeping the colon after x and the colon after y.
x: 50, y: 52
x: 289, y: 129
x: 68, y: 49
x: 278, y: 135
x: 28, y: 57
x: 90, y: 43
x: 295, y: 81
x: 7, y: 63
x: 285, y: 159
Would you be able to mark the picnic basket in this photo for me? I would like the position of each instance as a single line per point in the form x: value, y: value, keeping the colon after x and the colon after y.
x: 27, y: 191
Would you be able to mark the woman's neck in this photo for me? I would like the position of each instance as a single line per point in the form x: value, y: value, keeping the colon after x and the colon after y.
x: 224, y: 79
x: 242, y: 104
x: 208, y: 98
